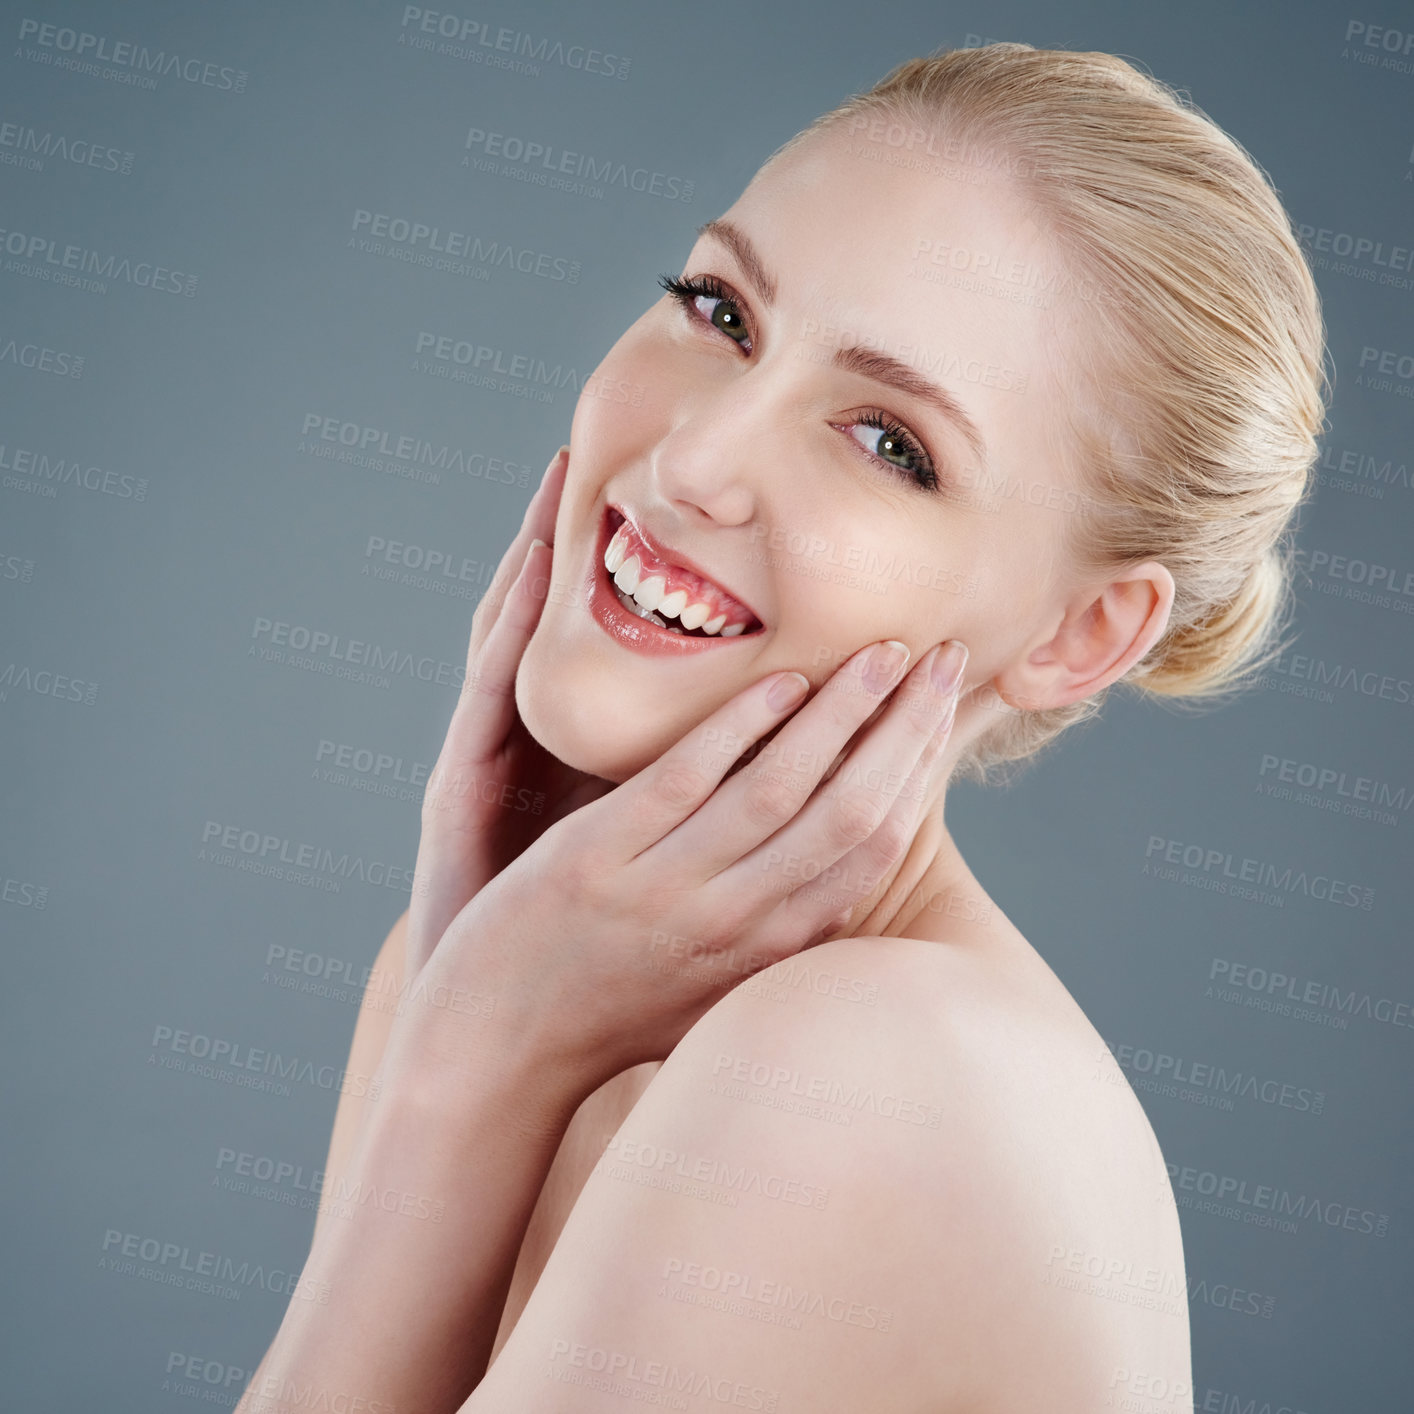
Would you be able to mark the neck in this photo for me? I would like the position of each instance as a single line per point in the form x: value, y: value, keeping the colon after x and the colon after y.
x: 929, y: 883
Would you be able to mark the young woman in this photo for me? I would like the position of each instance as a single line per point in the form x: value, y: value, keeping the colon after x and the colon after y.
x: 719, y: 1081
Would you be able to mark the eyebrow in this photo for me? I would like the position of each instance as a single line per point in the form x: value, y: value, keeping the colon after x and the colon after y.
x: 869, y: 363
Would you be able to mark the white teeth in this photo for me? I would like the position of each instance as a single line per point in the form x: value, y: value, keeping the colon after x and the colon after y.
x: 626, y: 576
x: 649, y: 592
x: 615, y: 550
x: 629, y: 602
x: 647, y: 595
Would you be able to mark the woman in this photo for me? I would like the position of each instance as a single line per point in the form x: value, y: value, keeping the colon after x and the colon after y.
x: 720, y: 1081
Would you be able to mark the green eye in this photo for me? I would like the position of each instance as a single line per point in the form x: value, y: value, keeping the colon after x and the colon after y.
x: 726, y: 316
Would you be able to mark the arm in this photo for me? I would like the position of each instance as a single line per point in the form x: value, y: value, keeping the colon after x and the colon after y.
x: 375, y: 1019
x: 375, y: 1150
x: 401, y: 1294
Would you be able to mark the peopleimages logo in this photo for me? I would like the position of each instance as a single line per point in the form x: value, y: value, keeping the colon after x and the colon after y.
x: 1204, y: 1075
x: 1224, y: 872
x: 85, y: 52
x: 271, y: 850
x: 463, y: 38
x: 178, y: 1258
x: 23, y: 146
x: 322, y: 649
x: 1363, y: 796
x: 65, y: 471
x: 407, y: 449
x: 42, y: 257
x: 1272, y: 1199
x: 544, y: 160
x: 462, y: 245
x: 56, y: 361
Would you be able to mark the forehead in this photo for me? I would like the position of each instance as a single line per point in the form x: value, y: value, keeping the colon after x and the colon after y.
x: 943, y: 264
x: 846, y: 222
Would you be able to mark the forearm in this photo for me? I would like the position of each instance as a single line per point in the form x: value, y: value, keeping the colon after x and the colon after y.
x: 402, y: 1293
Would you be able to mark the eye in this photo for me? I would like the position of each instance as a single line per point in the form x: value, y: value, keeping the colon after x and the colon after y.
x: 896, y: 439
x: 892, y: 439
x: 727, y: 315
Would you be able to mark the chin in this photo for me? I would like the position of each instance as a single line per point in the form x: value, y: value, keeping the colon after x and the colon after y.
x: 585, y: 729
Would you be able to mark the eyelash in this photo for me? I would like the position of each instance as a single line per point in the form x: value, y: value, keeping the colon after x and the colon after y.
x: 686, y: 290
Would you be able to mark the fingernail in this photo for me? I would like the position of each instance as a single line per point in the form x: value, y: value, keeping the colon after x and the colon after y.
x: 786, y: 691
x: 885, y: 664
x: 948, y: 666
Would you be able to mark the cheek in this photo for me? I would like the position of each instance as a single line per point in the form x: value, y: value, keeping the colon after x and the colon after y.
x: 636, y: 376
x: 829, y: 610
x: 999, y: 613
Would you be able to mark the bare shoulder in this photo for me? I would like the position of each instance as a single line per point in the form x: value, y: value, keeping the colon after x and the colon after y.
x: 1056, y: 1184
x: 993, y: 1030
x: 856, y: 1183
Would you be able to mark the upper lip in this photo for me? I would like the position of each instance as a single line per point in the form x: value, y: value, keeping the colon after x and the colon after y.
x: 669, y: 556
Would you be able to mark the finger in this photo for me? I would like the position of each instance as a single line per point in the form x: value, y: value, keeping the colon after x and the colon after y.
x: 443, y: 878
x: 817, y: 909
x: 538, y: 523
x: 486, y: 707
x: 767, y: 793
x: 857, y: 803
x: 664, y: 793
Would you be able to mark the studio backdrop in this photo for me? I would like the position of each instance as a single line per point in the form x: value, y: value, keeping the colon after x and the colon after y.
x: 296, y: 303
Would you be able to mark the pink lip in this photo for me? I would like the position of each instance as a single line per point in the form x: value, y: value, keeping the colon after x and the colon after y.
x: 626, y: 627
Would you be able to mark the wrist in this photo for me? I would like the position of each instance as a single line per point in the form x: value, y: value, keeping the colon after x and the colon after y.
x: 498, y: 1043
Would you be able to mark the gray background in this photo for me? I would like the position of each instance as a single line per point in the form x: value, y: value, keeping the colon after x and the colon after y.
x: 154, y: 602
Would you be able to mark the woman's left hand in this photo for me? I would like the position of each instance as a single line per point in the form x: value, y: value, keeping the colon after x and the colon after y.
x: 488, y: 756
x: 600, y: 945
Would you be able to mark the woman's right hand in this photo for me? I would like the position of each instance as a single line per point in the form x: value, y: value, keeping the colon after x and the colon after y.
x: 494, y: 789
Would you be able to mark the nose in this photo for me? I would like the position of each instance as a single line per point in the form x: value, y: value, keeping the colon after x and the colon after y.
x: 706, y: 467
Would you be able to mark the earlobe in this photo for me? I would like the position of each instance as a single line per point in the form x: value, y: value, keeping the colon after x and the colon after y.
x: 1104, y: 632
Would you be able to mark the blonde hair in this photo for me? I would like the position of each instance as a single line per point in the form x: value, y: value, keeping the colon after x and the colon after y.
x: 1206, y: 351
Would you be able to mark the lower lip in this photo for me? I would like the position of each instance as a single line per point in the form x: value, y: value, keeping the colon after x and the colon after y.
x: 636, y: 633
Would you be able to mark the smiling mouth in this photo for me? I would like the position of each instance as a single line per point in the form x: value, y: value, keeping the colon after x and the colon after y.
x: 671, y: 598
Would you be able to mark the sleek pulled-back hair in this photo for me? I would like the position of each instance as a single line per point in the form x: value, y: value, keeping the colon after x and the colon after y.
x: 1195, y: 373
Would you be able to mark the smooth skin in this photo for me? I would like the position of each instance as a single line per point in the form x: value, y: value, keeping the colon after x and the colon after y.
x: 1021, y: 1235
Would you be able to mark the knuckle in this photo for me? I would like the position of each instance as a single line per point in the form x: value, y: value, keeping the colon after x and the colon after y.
x: 678, y: 784
x: 849, y: 703
x: 484, y: 612
x: 921, y: 714
x: 891, y: 838
x: 479, y: 683
x: 443, y: 794
x: 767, y: 800
x: 854, y: 816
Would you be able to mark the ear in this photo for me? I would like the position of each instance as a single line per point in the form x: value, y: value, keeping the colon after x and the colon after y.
x: 1104, y: 630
